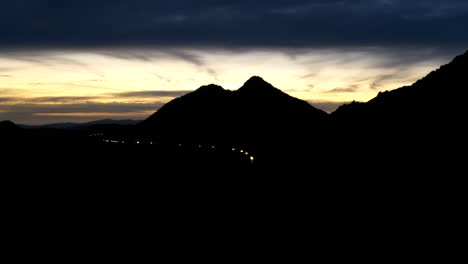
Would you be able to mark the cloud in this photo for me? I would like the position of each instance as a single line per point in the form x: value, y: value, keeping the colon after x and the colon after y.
x: 187, y: 56
x: 45, y: 57
x: 152, y: 94
x: 229, y: 23
x: 62, y: 99
x: 38, y: 113
x: 51, y: 109
x: 379, y: 81
x: 148, y: 55
x: 151, y: 55
x: 7, y: 99
x: 309, y: 75
x: 85, y: 107
x: 348, y: 89
x: 403, y: 58
x: 71, y: 84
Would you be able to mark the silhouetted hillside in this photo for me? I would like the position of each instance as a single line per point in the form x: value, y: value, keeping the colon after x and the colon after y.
x: 257, y: 116
x: 10, y: 133
x: 426, y: 118
x: 8, y: 130
x: 256, y: 111
x: 6, y: 126
x: 85, y: 125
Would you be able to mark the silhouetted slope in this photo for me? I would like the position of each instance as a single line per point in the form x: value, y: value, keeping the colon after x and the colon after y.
x: 437, y: 92
x: 426, y: 118
x: 9, y: 129
x: 10, y: 133
x: 255, y: 112
x: 87, y: 124
x: 256, y: 117
x: 193, y: 115
x: 8, y: 126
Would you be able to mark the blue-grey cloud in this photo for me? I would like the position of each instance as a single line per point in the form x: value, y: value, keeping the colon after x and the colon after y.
x: 153, y: 55
x: 229, y: 23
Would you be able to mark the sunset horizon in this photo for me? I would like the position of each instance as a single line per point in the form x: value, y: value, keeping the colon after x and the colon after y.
x: 76, y: 62
x: 53, y: 87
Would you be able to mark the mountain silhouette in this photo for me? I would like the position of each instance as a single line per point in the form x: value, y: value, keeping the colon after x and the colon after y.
x: 424, y: 119
x: 8, y: 128
x: 436, y: 93
x: 86, y: 124
x: 8, y: 125
x: 9, y: 132
x: 255, y: 113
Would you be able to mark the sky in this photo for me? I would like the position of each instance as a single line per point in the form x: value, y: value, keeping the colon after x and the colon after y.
x: 77, y: 61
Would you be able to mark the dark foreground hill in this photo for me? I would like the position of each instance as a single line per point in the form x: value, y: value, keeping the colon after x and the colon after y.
x: 374, y: 180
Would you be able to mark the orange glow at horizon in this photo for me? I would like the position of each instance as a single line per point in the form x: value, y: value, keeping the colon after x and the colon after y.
x: 77, y: 83
x: 97, y: 114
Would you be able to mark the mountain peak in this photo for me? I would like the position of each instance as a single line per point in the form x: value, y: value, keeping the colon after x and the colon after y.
x: 256, y: 81
x: 7, y: 123
x: 256, y: 85
x: 211, y: 88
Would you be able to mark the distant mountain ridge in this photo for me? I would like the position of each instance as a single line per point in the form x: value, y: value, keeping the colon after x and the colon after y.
x: 255, y: 112
x: 8, y: 126
x: 86, y: 124
x: 423, y: 120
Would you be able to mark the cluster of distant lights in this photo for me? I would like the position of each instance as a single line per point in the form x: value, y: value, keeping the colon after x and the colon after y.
x: 252, y: 158
x: 241, y: 151
x: 125, y: 142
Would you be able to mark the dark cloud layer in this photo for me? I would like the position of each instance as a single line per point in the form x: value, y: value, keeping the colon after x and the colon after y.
x: 232, y: 23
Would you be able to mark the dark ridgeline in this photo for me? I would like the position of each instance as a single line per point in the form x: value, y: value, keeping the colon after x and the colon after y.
x: 344, y: 182
x: 10, y: 132
x: 88, y: 124
x: 8, y: 128
x: 257, y: 117
x: 417, y: 122
x: 421, y: 121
